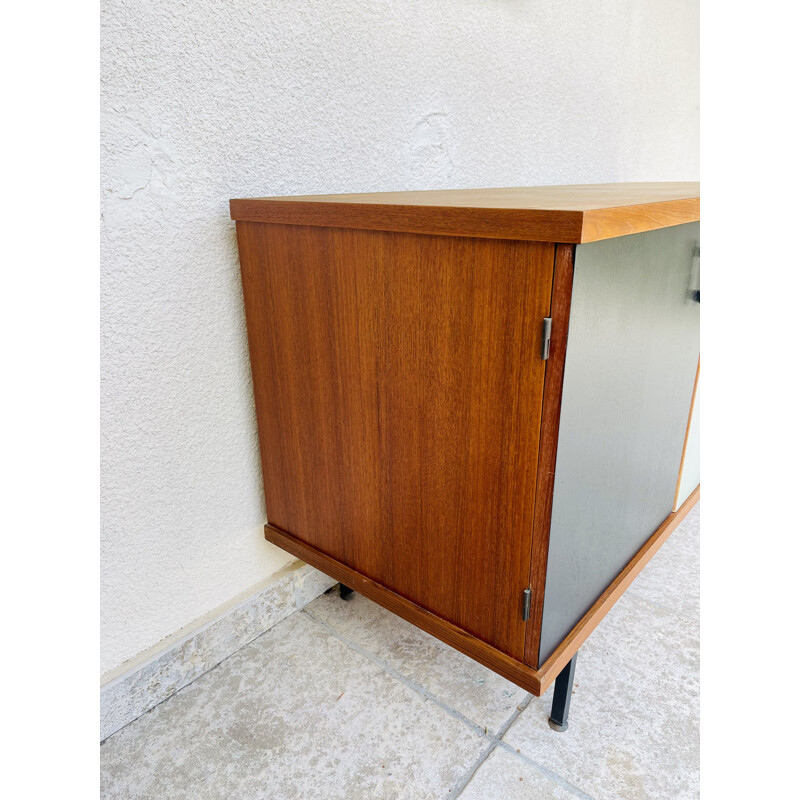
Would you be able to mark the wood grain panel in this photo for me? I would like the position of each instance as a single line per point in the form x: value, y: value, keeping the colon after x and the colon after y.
x: 548, y: 442
x: 398, y: 385
x: 570, y: 214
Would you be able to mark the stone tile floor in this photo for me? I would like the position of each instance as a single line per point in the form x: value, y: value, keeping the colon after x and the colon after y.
x: 345, y: 700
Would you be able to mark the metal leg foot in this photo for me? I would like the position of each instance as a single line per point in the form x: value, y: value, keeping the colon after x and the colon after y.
x: 561, y: 697
x: 344, y: 591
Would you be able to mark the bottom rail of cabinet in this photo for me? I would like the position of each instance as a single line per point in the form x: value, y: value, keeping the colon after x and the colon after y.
x: 536, y: 681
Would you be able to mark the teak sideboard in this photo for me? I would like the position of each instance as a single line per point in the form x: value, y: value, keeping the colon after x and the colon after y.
x: 473, y: 404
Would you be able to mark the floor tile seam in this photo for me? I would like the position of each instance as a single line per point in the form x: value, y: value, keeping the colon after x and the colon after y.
x: 465, y: 780
x: 481, y: 730
x: 548, y: 773
x: 467, y: 777
x: 514, y: 716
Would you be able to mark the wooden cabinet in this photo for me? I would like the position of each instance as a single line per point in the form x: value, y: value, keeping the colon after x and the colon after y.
x: 472, y: 405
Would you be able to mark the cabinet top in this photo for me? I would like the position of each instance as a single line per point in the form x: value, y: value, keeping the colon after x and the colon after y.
x: 579, y: 213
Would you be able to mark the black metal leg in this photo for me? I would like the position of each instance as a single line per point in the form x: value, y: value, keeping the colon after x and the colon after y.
x: 344, y: 591
x: 562, y: 695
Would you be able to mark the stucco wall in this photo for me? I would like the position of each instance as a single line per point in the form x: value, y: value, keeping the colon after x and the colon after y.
x: 203, y: 101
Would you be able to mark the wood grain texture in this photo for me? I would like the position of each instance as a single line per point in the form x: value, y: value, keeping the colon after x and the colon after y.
x: 548, y: 672
x: 686, y: 437
x: 548, y: 442
x: 398, y: 383
x: 607, y: 223
x: 570, y: 214
x: 536, y: 681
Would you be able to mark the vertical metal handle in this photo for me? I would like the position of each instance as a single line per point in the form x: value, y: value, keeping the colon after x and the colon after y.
x: 547, y: 327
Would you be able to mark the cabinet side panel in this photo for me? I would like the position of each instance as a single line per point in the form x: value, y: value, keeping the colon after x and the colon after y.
x: 398, y: 382
x: 628, y: 379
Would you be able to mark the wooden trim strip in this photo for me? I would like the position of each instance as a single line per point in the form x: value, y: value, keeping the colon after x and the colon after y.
x: 686, y: 437
x: 606, y: 223
x: 528, y: 224
x: 578, y: 635
x: 534, y: 681
x: 483, y: 223
x: 548, y: 443
x: 494, y: 659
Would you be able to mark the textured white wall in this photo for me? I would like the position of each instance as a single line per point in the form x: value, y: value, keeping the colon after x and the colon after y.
x: 203, y: 101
